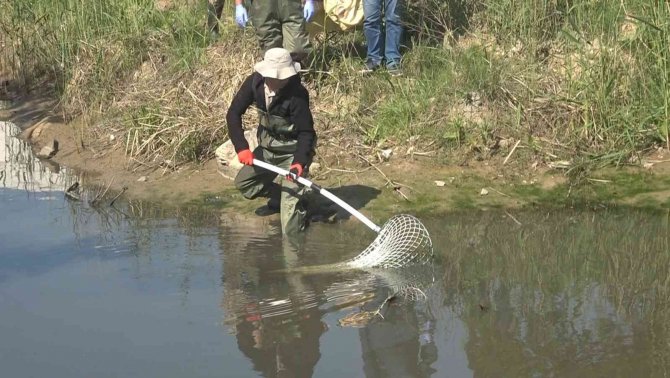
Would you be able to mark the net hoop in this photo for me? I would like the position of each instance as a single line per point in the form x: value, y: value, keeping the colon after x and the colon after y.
x: 403, y: 240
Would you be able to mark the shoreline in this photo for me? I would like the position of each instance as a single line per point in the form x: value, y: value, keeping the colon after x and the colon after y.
x: 420, y: 186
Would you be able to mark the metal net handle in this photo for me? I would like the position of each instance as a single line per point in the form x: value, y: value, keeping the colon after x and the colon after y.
x: 322, y: 191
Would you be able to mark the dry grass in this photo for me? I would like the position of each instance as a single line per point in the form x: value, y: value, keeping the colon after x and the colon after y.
x: 171, y: 117
x: 586, y: 83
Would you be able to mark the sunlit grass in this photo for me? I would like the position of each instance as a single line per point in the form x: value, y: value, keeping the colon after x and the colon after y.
x: 579, y: 81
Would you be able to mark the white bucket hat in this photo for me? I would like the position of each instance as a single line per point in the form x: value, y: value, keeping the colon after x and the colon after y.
x: 277, y: 64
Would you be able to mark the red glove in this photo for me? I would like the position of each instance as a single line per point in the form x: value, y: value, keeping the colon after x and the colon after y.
x: 296, y: 169
x: 246, y: 157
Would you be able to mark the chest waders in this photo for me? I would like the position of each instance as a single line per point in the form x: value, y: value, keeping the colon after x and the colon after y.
x: 280, y: 23
x: 277, y: 144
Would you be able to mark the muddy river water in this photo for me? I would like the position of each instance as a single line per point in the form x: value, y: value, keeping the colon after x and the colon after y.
x: 132, y: 289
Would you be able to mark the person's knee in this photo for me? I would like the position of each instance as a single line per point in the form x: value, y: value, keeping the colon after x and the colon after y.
x: 246, y: 187
x: 372, y: 11
x: 393, y: 19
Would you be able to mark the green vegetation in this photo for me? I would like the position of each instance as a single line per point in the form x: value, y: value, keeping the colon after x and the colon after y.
x: 572, y: 80
x: 88, y: 49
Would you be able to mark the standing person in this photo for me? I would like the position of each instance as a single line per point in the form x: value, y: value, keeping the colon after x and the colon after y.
x: 286, y: 136
x: 279, y: 23
x: 214, y: 9
x: 383, y: 46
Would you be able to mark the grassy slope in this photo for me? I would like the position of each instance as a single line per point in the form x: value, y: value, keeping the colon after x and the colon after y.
x: 583, y: 82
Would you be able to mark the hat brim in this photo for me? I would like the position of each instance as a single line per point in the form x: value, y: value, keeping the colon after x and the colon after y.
x: 266, y: 70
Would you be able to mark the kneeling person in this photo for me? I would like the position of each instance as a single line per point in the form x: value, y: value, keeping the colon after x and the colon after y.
x: 286, y: 136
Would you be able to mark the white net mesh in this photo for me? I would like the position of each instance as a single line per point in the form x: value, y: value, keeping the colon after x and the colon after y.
x: 403, y: 240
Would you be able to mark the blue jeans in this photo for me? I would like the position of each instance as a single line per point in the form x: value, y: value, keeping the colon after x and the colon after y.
x: 377, y: 41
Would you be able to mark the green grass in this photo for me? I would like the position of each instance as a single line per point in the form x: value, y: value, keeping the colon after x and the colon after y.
x: 87, y: 48
x: 578, y: 80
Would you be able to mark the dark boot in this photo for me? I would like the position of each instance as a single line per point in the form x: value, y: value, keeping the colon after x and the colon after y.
x: 268, y: 209
x: 272, y: 207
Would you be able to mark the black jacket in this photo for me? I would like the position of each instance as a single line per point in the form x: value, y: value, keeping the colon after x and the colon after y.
x: 252, y: 92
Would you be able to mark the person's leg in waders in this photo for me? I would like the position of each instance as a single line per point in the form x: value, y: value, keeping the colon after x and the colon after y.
x: 263, y: 15
x: 295, y: 37
x: 254, y: 182
x: 214, y: 9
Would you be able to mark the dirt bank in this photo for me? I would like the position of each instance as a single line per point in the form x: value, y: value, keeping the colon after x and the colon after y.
x: 403, y: 183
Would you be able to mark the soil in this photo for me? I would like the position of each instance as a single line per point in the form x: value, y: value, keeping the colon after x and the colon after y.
x: 421, y: 184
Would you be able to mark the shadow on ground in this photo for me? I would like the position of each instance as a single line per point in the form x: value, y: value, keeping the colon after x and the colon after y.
x: 322, y: 209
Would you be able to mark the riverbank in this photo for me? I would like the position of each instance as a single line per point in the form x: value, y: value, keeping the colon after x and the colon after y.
x: 418, y: 185
x: 498, y: 106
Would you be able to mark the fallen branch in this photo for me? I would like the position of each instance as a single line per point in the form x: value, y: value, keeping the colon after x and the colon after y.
x: 501, y: 193
x: 511, y: 152
x: 514, y: 219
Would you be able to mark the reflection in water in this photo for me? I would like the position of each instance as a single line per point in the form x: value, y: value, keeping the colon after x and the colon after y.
x: 402, y: 345
x: 20, y: 169
x: 571, y: 293
x: 277, y: 315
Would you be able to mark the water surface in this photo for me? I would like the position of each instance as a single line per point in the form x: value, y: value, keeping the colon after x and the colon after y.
x: 140, y: 290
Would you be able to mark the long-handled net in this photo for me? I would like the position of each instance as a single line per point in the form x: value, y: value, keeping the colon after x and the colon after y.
x: 401, y: 241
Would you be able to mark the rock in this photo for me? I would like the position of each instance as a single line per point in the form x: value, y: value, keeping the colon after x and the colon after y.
x: 142, y: 179
x: 386, y: 154
x: 484, y: 192
x: 48, y: 151
x: 504, y: 143
x: 226, y: 158
x: 314, y: 168
x: 440, y: 183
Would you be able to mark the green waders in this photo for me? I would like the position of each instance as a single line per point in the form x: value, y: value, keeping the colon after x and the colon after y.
x: 280, y: 23
x: 254, y: 182
x: 214, y: 9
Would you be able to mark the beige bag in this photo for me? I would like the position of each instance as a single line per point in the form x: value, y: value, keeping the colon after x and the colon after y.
x: 347, y: 14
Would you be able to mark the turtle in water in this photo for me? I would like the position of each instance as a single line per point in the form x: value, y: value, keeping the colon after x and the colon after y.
x: 358, y: 319
x: 363, y: 318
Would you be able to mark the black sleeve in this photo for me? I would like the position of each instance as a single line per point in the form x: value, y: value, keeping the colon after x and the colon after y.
x: 304, y: 125
x: 241, y: 102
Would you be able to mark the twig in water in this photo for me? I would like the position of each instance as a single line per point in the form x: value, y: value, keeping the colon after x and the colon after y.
x: 71, y: 192
x: 101, y: 194
x: 118, y: 195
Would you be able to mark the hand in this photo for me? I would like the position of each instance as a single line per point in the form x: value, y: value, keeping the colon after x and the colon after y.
x: 241, y: 16
x: 246, y: 157
x: 295, y: 169
x: 308, y: 10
